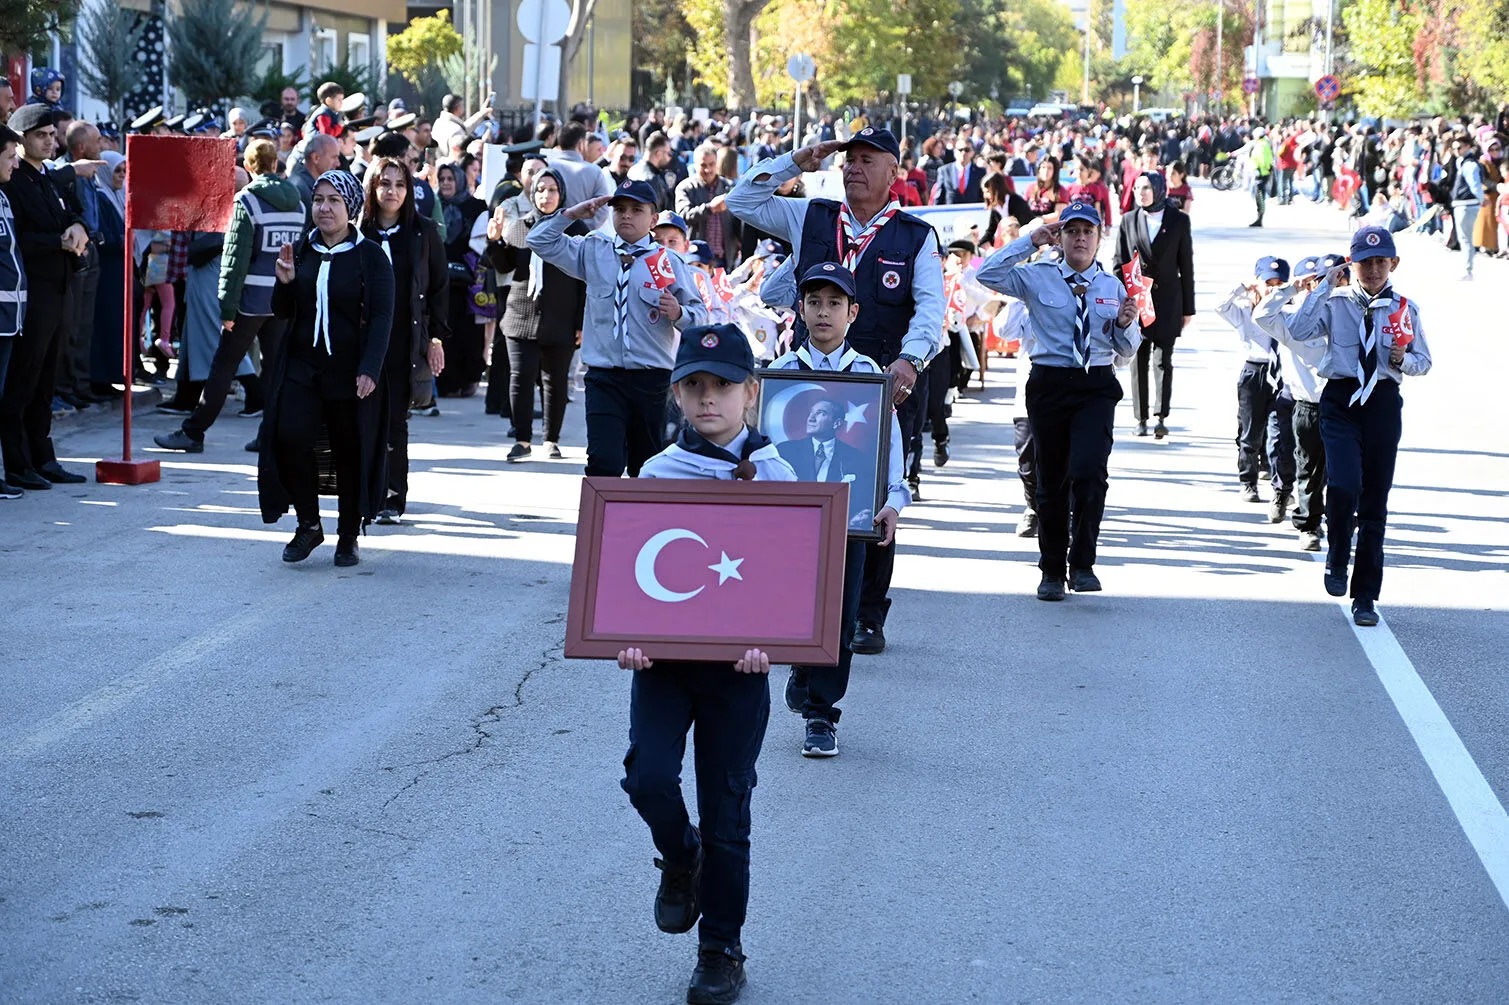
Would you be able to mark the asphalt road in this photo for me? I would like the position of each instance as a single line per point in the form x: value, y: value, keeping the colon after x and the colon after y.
x: 229, y: 780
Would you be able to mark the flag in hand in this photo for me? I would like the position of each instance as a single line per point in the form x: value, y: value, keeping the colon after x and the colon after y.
x: 661, y: 270
x: 1401, y: 325
x: 1140, y: 289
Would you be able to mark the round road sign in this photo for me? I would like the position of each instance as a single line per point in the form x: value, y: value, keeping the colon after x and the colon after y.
x: 801, y: 67
x: 1327, y: 88
x: 544, y: 22
x: 1250, y: 85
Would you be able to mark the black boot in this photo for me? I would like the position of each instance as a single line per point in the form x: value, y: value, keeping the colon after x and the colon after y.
x: 719, y: 976
x: 305, y: 540
x: 676, y: 906
x: 345, y: 551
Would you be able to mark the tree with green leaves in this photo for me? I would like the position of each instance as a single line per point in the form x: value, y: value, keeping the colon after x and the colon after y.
x: 108, y: 68
x: 24, y: 24
x: 1383, y: 53
x: 214, y: 48
x: 421, y: 50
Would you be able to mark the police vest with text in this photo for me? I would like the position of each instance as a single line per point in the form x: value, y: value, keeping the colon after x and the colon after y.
x: 883, y: 278
x: 273, y: 229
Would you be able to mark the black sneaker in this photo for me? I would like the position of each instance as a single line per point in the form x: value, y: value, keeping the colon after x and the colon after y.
x: 179, y: 440
x: 389, y: 517
x: 28, y: 480
x: 346, y: 554
x: 520, y: 451
x: 254, y: 446
x: 1142, y: 428
x: 940, y: 454
x: 1083, y: 581
x: 173, y: 408
x: 719, y: 976
x: 1278, y: 508
x: 1160, y: 430
x: 676, y: 906
x: 1336, y: 582
x: 59, y: 475
x: 1051, y: 588
x: 1250, y: 494
x: 1363, y: 613
x: 822, y: 739
x: 9, y: 491
x: 305, y: 540
x: 868, y: 639
x: 915, y: 485
x: 796, y: 690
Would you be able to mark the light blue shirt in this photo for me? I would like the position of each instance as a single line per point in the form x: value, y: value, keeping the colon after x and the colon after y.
x: 1053, y: 309
x: 1327, y: 331
x: 846, y: 359
x: 1236, y: 310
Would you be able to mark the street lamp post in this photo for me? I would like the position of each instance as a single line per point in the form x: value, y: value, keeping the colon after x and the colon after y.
x: 1220, y: 62
x: 1136, y: 95
x: 1084, y: 96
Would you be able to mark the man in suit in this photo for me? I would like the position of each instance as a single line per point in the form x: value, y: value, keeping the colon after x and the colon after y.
x: 821, y: 456
x: 960, y: 181
x: 1160, y: 234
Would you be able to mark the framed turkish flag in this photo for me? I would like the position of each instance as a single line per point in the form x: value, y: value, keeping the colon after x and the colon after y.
x: 704, y: 570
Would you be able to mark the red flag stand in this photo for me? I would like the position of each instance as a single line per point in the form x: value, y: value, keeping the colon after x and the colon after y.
x: 179, y: 183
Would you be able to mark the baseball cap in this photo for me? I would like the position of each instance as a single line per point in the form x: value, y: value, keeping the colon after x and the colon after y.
x: 721, y: 350
x: 1080, y: 211
x: 669, y: 219
x: 1329, y: 262
x: 1372, y: 242
x: 701, y: 252
x: 1307, y: 267
x: 828, y: 272
x: 639, y: 191
x: 1269, y: 267
x: 880, y: 139
x: 769, y: 249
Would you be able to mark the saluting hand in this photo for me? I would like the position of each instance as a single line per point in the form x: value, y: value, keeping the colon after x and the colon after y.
x: 1046, y: 234
x: 810, y: 158
x: 585, y: 210
x: 284, y: 265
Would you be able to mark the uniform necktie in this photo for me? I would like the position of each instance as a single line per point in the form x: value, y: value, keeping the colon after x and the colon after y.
x: 1367, y: 343
x: 627, y: 253
x: 1275, y: 371
x: 384, y: 235
x: 1080, y: 287
x: 821, y: 451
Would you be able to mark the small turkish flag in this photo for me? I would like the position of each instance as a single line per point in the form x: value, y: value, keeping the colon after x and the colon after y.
x: 1347, y: 183
x: 1140, y: 289
x: 180, y: 183
x: 1402, y: 324
x: 661, y: 269
x: 957, y: 300
x: 726, y: 289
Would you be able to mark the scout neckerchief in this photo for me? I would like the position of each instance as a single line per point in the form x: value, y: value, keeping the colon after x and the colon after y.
x: 852, y: 239
x: 846, y: 358
x: 1079, y: 285
x: 627, y: 253
x: 694, y: 442
x: 384, y: 236
x: 322, y: 283
x: 1367, y: 341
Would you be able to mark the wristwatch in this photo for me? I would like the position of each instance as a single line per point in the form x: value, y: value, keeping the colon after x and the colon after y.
x: 917, y: 364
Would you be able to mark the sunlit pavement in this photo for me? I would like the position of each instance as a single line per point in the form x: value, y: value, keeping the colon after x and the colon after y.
x: 227, y: 779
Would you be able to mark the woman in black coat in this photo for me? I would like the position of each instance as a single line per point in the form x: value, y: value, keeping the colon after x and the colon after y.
x: 465, y: 242
x: 1161, y: 235
x: 421, y: 324
x: 542, y: 320
x: 337, y: 292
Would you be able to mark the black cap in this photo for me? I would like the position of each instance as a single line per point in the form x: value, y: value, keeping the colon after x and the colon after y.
x: 526, y: 147
x: 28, y: 117
x: 880, y: 139
x: 8, y: 136
x: 639, y: 191
x: 828, y: 272
x: 109, y: 130
x: 721, y: 350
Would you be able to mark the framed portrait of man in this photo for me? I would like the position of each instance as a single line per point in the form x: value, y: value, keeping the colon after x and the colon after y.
x: 833, y: 427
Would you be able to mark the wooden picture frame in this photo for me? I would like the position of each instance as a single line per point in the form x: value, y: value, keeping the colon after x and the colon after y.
x: 778, y: 583
x: 866, y: 398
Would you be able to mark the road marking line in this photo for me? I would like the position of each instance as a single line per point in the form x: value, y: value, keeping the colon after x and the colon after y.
x: 1478, y: 811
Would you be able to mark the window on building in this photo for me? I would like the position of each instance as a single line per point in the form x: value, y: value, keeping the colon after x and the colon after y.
x: 324, y: 49
x: 359, y: 51
x: 272, y: 58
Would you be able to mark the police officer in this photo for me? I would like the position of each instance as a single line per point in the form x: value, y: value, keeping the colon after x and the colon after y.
x: 12, y: 276
x: 898, y: 272
x: 1081, y: 325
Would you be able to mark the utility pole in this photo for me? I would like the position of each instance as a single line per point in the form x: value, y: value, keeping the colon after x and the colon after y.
x: 1084, y: 94
x: 1220, y: 64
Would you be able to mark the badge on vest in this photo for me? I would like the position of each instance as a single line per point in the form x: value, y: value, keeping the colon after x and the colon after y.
x: 890, y: 279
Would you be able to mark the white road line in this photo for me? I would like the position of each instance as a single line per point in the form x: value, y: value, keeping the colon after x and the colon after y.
x: 1461, y: 781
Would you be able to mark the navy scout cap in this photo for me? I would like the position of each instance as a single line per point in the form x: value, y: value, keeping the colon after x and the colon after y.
x: 880, y: 139
x: 827, y: 272
x: 1307, y: 267
x: 1269, y: 267
x: 721, y: 350
x: 1372, y: 242
x: 1080, y: 211
x: 639, y: 191
x: 669, y: 219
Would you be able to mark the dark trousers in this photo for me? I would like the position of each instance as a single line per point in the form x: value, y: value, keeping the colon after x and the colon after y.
x: 625, y: 418
x: 1362, y: 443
x: 934, y: 383
x: 1073, y: 412
x: 1260, y: 193
x: 1280, y: 443
x: 496, y: 401
x: 233, y: 347
x: 1161, y: 356
x: 304, y: 411
x: 531, y: 363
x: 1026, y: 460
x: 726, y: 712
x: 78, y: 339
x: 398, y: 374
x: 826, y: 686
x: 7, y: 343
x: 880, y: 563
x: 26, y: 403
x: 1254, y: 403
x: 1309, y: 467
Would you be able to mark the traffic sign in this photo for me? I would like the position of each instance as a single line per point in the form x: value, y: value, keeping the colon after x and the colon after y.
x: 955, y: 88
x: 1328, y: 88
x: 903, y: 83
x: 801, y: 67
x: 543, y: 21
x: 1250, y: 85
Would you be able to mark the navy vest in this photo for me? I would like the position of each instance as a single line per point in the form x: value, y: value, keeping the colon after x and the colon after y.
x: 883, y: 279
x: 12, y: 275
x: 271, y: 229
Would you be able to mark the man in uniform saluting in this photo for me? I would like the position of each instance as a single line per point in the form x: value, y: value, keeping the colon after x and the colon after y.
x: 899, y: 275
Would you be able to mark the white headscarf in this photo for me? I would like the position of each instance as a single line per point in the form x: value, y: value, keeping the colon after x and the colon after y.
x: 109, y: 193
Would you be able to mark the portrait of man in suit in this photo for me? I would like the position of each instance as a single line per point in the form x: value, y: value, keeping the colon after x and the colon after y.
x: 821, y: 456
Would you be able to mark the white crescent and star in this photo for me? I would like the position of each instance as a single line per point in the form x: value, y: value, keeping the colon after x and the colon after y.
x: 644, y: 566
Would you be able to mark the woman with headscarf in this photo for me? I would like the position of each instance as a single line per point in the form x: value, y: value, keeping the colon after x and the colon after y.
x: 542, y: 319
x: 106, y: 364
x: 420, y: 323
x: 1159, y: 235
x: 336, y: 291
x: 466, y: 241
